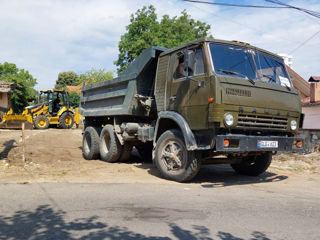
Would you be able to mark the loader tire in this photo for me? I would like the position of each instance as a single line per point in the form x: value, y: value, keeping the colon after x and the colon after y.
x: 41, y: 122
x: 172, y: 158
x: 66, y: 120
x: 253, y: 165
x: 109, y: 145
x: 126, y: 152
x: 90, y: 143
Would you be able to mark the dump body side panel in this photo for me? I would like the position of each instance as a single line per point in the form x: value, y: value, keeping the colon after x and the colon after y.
x: 118, y: 96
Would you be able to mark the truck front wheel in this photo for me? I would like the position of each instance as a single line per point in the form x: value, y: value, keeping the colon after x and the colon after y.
x: 172, y: 158
x: 109, y: 146
x: 253, y: 165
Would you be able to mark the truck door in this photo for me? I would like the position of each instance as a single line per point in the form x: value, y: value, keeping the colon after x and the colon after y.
x: 179, y: 86
x: 189, y: 87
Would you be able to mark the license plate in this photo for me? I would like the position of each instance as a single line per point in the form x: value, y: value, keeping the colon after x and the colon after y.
x: 267, y: 144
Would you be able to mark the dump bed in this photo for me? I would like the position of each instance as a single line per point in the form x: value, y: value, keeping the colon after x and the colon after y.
x: 119, y: 96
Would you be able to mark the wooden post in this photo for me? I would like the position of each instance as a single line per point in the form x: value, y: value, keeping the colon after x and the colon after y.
x: 23, y: 157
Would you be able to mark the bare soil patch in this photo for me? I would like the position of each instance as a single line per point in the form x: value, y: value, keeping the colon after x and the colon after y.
x: 54, y: 155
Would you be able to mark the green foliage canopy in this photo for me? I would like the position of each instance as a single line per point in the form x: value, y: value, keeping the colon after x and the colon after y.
x: 74, y: 99
x: 23, y: 88
x: 95, y: 76
x: 89, y: 77
x: 67, y: 79
x: 145, y: 30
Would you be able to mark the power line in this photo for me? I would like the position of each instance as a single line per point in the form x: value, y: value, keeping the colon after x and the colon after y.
x: 234, y: 5
x: 303, y: 43
x: 239, y: 23
x: 282, y: 5
x: 310, y: 12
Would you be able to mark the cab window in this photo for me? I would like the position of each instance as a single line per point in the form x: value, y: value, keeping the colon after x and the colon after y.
x: 179, y: 67
x: 189, y: 64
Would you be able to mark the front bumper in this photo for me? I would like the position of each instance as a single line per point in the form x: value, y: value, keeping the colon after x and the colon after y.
x: 244, y: 143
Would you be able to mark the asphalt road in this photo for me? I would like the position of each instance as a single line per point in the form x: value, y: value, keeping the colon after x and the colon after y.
x: 279, y: 209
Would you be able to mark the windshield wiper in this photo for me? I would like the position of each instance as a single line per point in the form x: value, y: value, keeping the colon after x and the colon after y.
x: 273, y: 80
x: 270, y: 78
x: 236, y: 73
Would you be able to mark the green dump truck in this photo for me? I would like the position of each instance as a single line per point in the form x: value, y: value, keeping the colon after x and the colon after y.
x: 208, y: 100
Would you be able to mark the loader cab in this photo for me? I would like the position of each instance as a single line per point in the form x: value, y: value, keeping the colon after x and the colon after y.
x: 55, y: 99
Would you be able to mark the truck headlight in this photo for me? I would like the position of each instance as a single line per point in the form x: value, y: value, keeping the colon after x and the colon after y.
x: 228, y: 119
x: 293, y: 125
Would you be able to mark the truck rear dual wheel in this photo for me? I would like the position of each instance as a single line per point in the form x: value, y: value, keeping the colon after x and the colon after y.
x: 110, y: 148
x: 90, y: 143
x: 41, y: 122
x: 253, y: 165
x: 172, y: 158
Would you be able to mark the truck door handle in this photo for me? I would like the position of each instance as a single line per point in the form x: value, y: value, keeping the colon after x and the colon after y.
x: 172, y: 98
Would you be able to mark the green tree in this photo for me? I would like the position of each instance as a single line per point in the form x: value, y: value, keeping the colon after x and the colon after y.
x: 23, y: 85
x: 67, y: 79
x: 95, y: 76
x: 145, y: 30
x: 74, y: 99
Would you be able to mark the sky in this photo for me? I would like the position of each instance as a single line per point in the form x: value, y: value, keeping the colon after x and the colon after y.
x: 51, y: 36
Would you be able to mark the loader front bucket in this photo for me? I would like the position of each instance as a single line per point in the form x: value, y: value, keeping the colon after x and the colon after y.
x: 16, y: 124
x: 14, y: 121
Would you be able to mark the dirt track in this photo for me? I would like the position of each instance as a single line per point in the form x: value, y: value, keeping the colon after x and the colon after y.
x: 54, y: 155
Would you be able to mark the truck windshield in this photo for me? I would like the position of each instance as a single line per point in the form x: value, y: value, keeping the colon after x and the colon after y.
x: 233, y: 60
x: 247, y: 63
x: 271, y: 69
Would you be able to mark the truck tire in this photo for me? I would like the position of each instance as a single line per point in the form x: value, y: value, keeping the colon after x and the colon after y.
x: 145, y: 151
x: 41, y: 122
x: 253, y: 165
x: 109, y: 146
x: 126, y: 152
x: 172, y: 158
x: 90, y: 143
x: 66, y: 120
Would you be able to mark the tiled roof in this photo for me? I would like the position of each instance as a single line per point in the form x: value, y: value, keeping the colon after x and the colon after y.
x: 314, y: 79
x: 299, y: 83
x: 76, y: 89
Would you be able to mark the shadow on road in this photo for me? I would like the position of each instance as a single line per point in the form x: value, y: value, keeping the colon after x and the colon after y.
x: 47, y: 223
x: 8, y: 145
x: 221, y: 175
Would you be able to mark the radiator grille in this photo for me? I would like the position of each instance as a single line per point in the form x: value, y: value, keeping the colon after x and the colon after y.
x: 261, y: 122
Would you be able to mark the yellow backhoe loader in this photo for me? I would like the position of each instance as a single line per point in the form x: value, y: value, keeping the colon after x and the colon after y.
x: 53, y: 109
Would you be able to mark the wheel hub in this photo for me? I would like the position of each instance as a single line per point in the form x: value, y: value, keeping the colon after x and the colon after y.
x: 67, y: 120
x: 172, y: 155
